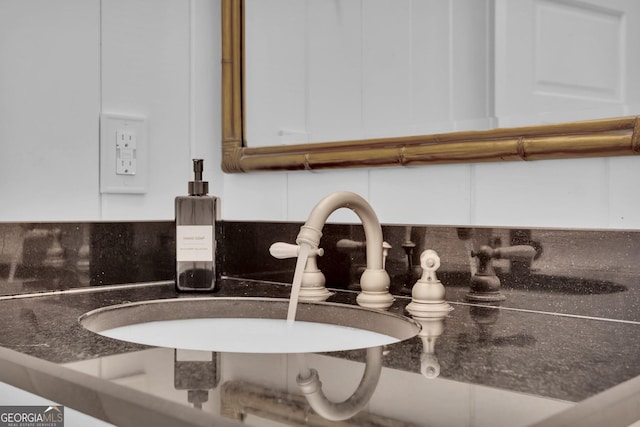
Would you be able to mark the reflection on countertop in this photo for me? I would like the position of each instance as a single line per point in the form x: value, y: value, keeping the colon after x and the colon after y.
x: 582, y: 272
x: 491, y: 360
x: 38, y: 257
x: 567, y: 329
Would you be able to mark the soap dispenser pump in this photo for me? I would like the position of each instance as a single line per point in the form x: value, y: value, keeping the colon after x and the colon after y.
x: 196, y: 217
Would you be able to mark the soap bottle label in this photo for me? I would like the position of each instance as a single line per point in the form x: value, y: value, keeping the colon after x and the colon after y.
x: 194, y: 243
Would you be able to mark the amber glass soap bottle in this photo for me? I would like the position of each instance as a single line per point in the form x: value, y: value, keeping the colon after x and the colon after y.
x: 196, y: 216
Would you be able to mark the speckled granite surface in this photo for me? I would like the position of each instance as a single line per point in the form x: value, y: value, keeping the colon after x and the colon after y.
x: 568, y: 329
x: 523, y: 358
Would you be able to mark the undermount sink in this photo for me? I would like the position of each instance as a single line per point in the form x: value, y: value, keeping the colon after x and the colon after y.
x: 248, y: 325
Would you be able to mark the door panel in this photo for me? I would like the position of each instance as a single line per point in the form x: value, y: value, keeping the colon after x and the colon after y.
x: 560, y: 60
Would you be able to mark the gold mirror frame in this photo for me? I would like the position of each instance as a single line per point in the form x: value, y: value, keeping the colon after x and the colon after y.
x: 595, y: 138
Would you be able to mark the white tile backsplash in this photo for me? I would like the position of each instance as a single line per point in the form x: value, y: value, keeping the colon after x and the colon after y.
x: 550, y: 193
x: 252, y: 197
x: 624, y: 198
x: 306, y: 189
x: 438, y: 194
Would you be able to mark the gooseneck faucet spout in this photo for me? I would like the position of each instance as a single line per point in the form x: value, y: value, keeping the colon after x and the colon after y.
x: 375, y: 280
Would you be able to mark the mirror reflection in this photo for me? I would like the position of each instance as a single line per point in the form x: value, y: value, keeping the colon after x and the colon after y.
x: 322, y: 81
x: 36, y: 257
x: 39, y: 257
x: 321, y: 71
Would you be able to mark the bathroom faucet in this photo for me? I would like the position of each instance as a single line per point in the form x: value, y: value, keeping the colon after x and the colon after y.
x: 375, y: 280
x: 313, y: 281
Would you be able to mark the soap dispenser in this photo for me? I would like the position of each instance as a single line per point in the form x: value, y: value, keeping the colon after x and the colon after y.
x: 196, y: 217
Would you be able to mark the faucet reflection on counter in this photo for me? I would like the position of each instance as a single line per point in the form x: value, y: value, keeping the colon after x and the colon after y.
x: 408, y: 245
x: 485, y: 317
x: 354, y: 250
x: 309, y: 382
x: 485, y: 284
x: 432, y: 329
x: 36, y: 252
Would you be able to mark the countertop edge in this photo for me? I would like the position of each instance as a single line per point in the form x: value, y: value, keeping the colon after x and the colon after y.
x: 617, y: 406
x: 101, y: 399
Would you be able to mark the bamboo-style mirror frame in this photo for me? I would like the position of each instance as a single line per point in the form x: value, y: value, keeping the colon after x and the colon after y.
x: 595, y: 138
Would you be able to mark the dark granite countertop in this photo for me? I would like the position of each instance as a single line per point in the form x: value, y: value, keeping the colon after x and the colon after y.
x: 497, y: 366
x: 560, y: 350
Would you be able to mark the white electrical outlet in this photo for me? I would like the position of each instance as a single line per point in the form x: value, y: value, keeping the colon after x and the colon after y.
x: 123, y: 154
x: 126, y: 151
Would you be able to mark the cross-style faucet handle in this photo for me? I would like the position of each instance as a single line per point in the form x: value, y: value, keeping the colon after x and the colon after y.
x: 524, y: 252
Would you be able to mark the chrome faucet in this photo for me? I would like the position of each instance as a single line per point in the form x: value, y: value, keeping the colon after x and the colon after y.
x: 375, y: 280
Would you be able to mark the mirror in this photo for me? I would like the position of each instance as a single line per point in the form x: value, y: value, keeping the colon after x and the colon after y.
x: 584, y: 93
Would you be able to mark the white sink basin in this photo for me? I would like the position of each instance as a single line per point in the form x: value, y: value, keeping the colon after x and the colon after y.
x: 248, y: 325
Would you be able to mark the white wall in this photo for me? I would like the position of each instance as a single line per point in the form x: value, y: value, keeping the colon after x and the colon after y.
x: 65, y: 62
x: 70, y: 60
x: 585, y: 193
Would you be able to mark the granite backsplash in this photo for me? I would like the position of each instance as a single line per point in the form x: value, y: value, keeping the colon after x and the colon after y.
x: 581, y: 272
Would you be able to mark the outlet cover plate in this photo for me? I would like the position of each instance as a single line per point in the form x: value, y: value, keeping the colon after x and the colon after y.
x: 112, y: 177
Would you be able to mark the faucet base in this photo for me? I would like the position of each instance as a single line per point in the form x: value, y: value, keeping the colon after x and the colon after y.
x: 314, y: 294
x: 485, y: 296
x: 428, y: 310
x: 377, y: 300
x: 485, y: 288
x: 374, y: 284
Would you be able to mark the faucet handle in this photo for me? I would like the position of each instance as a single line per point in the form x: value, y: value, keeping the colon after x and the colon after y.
x: 313, y: 280
x: 517, y: 252
x: 386, y: 247
x: 282, y: 250
x: 430, y: 262
x: 346, y: 245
